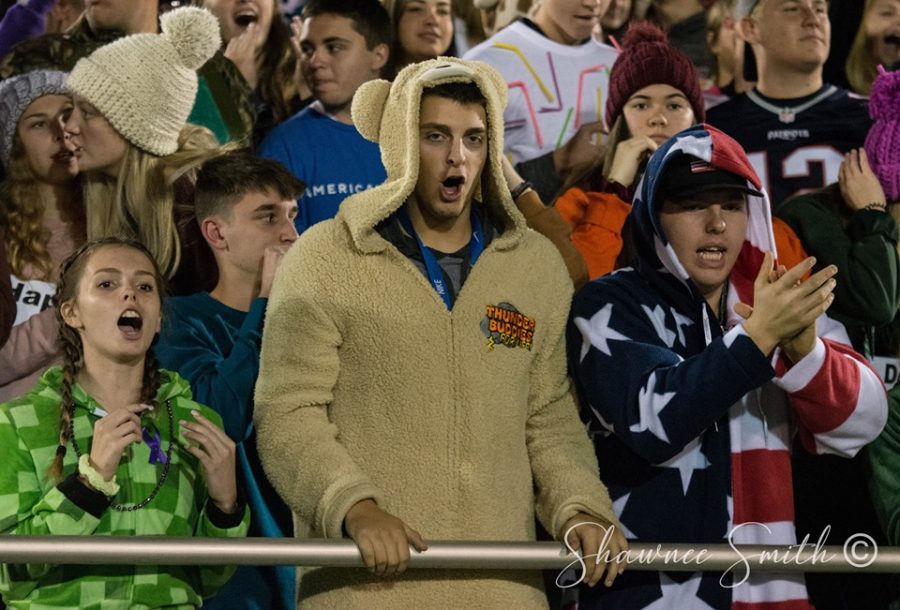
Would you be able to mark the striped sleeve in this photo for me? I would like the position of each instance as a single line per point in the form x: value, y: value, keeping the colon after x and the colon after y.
x: 838, y: 399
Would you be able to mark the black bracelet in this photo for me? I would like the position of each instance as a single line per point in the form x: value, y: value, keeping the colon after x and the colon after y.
x: 521, y: 188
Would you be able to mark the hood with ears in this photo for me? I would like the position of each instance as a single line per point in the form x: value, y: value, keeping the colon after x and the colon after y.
x: 655, y: 256
x: 388, y: 114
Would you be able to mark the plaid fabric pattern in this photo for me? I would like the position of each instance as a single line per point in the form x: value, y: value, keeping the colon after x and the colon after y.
x: 30, y: 504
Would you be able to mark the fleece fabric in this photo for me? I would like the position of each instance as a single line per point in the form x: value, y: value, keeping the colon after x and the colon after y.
x: 863, y: 246
x: 698, y: 421
x: 33, y: 505
x: 459, y: 422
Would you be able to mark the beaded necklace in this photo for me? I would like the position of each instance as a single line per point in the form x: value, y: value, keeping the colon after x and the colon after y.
x: 124, y: 508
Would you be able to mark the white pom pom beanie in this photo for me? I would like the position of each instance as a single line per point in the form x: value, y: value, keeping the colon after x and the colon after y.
x: 145, y: 84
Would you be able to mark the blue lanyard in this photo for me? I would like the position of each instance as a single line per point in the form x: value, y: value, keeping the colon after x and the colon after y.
x: 435, y: 274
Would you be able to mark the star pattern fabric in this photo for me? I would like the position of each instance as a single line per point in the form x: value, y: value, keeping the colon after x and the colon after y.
x: 679, y: 595
x: 657, y: 317
x: 597, y: 332
x: 686, y: 462
x: 619, y: 506
x: 651, y: 404
x: 678, y: 391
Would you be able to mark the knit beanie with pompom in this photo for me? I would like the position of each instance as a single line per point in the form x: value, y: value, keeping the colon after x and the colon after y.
x: 145, y: 84
x: 648, y: 59
x: 883, y: 142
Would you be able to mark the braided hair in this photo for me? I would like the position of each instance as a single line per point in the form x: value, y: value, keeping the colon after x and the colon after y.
x: 73, y: 353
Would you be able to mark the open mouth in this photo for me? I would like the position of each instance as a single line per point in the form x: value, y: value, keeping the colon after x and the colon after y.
x: 64, y: 156
x: 712, y: 254
x: 246, y: 17
x: 893, y: 39
x: 451, y: 188
x: 130, y: 323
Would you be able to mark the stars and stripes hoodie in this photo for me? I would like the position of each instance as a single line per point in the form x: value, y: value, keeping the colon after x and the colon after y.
x: 697, y: 419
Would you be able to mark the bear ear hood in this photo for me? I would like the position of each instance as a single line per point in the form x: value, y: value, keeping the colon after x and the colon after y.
x: 388, y: 114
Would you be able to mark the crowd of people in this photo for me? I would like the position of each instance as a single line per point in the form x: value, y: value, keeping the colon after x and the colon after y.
x: 597, y: 271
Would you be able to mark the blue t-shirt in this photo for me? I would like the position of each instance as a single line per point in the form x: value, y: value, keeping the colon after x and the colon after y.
x: 216, y: 348
x: 329, y: 156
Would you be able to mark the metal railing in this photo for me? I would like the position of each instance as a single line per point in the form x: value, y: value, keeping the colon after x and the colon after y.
x: 457, y: 555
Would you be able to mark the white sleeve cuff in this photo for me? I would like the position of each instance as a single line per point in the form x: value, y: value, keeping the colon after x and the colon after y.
x: 733, y: 334
x: 799, y: 375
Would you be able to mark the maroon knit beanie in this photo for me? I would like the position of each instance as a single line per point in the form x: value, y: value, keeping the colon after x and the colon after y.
x: 883, y: 142
x: 648, y: 59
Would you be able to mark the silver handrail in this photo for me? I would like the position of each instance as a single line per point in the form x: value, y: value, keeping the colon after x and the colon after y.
x: 457, y: 555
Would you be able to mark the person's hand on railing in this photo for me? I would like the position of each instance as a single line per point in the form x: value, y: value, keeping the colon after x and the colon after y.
x: 599, y: 543
x: 382, y: 538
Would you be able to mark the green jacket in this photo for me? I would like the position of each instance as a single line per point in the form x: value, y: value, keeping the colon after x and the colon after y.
x: 30, y: 504
x: 224, y: 102
x: 863, y: 246
x: 884, y: 477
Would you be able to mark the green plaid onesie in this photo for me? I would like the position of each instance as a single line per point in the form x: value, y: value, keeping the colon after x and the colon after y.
x: 30, y: 504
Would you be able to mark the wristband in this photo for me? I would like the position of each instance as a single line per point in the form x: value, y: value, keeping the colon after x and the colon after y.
x: 95, y: 479
x: 521, y: 188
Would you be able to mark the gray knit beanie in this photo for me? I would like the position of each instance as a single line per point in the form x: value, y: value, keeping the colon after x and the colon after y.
x: 145, y: 84
x: 16, y: 94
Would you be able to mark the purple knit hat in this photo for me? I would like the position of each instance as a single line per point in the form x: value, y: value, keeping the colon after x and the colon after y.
x: 883, y: 142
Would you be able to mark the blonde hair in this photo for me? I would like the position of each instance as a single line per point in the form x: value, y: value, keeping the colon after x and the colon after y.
x: 715, y: 16
x: 861, y: 67
x: 23, y: 216
x: 139, y: 204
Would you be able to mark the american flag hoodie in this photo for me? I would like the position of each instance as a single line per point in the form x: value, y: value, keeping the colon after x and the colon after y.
x: 691, y: 422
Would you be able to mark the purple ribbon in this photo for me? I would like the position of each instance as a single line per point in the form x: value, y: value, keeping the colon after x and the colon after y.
x: 154, y: 441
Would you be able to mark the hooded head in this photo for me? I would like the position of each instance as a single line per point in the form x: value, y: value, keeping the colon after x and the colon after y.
x: 389, y: 114
x: 691, y: 165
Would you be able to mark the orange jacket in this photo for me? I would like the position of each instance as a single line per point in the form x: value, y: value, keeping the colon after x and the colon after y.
x: 597, y: 220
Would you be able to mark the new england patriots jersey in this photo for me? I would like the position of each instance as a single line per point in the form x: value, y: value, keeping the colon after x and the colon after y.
x: 795, y: 145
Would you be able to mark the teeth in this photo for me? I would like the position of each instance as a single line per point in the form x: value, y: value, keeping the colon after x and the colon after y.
x: 713, y: 255
x: 131, y: 314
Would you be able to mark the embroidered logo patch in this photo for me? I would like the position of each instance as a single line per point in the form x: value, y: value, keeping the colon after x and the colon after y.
x: 505, y: 325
